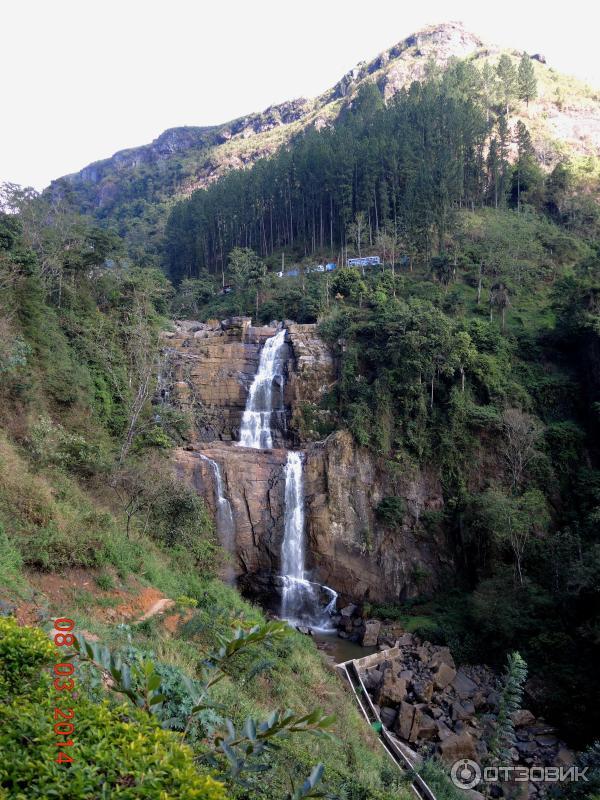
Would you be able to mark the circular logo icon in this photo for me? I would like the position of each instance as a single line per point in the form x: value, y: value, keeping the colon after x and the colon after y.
x: 465, y: 773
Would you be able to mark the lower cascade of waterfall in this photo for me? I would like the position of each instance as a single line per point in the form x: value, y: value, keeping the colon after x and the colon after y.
x: 224, y: 515
x: 303, y: 602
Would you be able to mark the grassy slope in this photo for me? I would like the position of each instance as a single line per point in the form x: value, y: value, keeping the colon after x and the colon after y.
x: 49, y: 517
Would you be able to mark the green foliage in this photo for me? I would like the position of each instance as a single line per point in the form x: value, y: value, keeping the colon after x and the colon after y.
x: 391, y: 511
x: 10, y: 563
x: 52, y: 444
x: 105, y: 582
x: 503, y: 737
x: 139, y: 679
x: 526, y: 79
x: 117, y: 748
x: 23, y: 651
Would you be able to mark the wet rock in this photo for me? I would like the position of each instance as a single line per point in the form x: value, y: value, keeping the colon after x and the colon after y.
x: 348, y: 611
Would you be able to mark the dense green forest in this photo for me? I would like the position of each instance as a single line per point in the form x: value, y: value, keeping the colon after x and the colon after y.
x: 393, y: 176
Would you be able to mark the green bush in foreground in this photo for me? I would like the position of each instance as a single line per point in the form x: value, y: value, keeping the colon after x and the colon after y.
x: 119, y: 751
x: 23, y: 651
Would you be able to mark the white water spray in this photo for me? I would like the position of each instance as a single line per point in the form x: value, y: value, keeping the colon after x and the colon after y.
x: 255, y: 430
x: 301, y: 599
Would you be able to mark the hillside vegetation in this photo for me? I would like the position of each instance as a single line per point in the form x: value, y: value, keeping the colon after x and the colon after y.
x: 472, y: 351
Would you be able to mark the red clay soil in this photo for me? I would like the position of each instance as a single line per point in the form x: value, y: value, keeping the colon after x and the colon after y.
x: 59, y: 593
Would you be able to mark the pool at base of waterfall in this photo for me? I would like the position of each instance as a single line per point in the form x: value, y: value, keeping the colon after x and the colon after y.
x: 340, y: 650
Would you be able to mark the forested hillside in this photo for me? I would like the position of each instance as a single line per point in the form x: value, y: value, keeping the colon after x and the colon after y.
x: 474, y: 347
x: 467, y: 360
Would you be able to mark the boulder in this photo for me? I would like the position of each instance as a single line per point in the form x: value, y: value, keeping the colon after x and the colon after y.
x: 423, y: 690
x: 393, y: 689
x: 546, y: 740
x: 423, y: 727
x: 371, y: 632
x: 388, y: 716
x: 348, y: 611
x: 444, y: 675
x: 443, y: 731
x: 461, y: 712
x: 522, y: 717
x: 441, y: 656
x: 405, y: 720
x: 458, y: 746
x: 372, y: 679
x: 463, y: 685
x: 493, y: 701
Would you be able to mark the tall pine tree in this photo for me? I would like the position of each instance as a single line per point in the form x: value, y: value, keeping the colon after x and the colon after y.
x: 527, y: 81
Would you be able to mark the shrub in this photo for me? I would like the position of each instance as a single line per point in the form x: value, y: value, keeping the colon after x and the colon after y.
x: 23, y: 651
x: 118, y: 749
x: 390, y: 511
x: 105, y: 582
x: 10, y: 562
x: 52, y: 444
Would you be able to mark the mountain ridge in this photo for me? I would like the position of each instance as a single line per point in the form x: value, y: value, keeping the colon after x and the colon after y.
x: 564, y: 121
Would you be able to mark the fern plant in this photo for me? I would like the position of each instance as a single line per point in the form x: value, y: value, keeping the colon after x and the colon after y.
x: 503, y: 737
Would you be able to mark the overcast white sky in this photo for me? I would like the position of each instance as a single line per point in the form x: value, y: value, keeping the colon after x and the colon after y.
x: 82, y: 79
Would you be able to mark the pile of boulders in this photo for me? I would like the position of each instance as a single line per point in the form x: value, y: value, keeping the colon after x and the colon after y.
x: 434, y: 706
x: 353, y: 626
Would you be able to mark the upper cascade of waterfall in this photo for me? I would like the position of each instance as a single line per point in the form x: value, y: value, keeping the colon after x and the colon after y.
x: 255, y: 430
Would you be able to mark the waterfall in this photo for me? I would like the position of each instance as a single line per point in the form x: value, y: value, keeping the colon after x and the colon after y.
x: 255, y: 429
x: 224, y: 515
x: 302, y: 600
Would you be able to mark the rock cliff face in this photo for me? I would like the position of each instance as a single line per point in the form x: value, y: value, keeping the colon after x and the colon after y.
x: 355, y: 552
x: 208, y: 370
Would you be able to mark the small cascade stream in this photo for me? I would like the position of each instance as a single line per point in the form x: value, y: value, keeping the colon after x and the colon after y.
x: 224, y: 515
x: 304, y: 602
